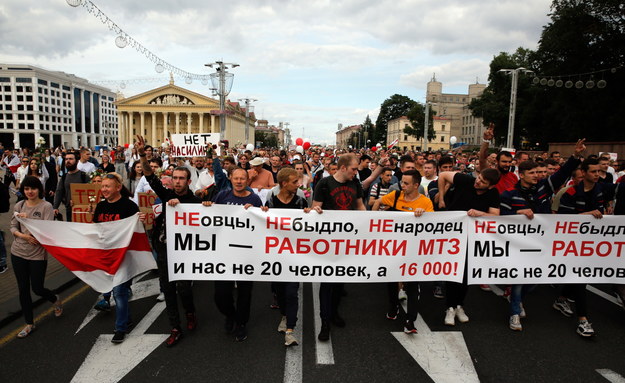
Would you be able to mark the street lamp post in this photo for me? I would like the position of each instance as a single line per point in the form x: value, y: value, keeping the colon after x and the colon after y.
x: 247, y: 101
x: 222, y: 81
x: 513, y: 92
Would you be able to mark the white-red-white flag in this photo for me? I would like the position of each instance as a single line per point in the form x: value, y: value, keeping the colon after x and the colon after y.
x: 395, y: 141
x: 103, y: 255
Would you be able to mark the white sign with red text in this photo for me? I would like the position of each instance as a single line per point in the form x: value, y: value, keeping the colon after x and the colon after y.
x: 225, y: 242
x: 547, y: 249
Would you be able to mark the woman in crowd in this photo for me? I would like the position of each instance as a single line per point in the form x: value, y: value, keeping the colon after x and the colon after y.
x: 135, y: 175
x: 28, y: 257
x: 34, y: 169
x: 106, y: 164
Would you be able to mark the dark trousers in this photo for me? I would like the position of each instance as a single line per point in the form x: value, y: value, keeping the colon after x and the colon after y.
x: 329, y: 299
x: 456, y: 292
x: 288, y: 301
x: 30, y: 273
x: 577, y: 292
x: 172, y: 290
x: 225, y: 300
x: 413, y: 291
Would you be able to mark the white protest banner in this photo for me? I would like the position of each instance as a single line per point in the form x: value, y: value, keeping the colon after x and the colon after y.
x: 193, y: 145
x: 225, y: 242
x: 547, y: 249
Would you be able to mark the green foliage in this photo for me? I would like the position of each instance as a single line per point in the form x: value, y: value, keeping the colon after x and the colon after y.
x: 416, y: 115
x: 392, y: 108
x: 266, y: 139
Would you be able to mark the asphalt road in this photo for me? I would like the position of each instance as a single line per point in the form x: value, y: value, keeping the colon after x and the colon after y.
x: 366, y: 350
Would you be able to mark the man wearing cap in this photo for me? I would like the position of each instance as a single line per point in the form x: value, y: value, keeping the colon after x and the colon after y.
x: 259, y: 177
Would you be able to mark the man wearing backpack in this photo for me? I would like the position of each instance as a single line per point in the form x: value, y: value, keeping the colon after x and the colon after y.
x: 63, y: 191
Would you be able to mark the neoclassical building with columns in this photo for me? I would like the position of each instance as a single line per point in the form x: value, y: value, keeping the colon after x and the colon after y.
x: 170, y: 109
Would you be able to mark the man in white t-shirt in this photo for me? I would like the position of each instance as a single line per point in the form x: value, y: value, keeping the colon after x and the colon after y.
x: 429, y: 175
x: 84, y: 165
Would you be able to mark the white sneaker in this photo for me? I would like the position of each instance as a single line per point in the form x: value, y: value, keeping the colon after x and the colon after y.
x: 160, y: 297
x: 522, y: 314
x: 515, y: 323
x: 289, y: 339
x: 450, y: 316
x: 402, y: 295
x: 460, y: 314
x: 282, y: 325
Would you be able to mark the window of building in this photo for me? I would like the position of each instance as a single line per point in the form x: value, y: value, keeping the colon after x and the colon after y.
x: 8, y: 107
x: 42, y: 82
x: 443, y: 127
x: 7, y: 97
x: 54, y: 85
x: 20, y: 107
x: 20, y: 98
x: 29, y: 107
x: 20, y: 116
x: 31, y: 126
x: 23, y: 79
x: 19, y: 88
x: 7, y: 88
x: 5, y: 79
x: 442, y: 138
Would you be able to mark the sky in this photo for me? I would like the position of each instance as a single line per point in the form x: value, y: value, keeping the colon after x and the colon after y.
x: 312, y: 64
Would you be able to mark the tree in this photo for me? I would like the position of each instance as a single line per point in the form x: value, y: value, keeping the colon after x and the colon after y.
x: 367, y: 131
x: 266, y: 139
x: 416, y: 116
x: 392, y: 108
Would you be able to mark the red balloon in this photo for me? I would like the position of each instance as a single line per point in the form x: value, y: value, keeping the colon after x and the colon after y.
x: 374, y: 148
x: 306, y: 145
x: 299, y: 141
x: 126, y: 145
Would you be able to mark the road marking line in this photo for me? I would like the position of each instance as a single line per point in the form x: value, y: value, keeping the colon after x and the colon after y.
x: 603, y: 295
x: 293, y: 372
x: 611, y: 375
x: 13, y: 334
x: 325, y: 354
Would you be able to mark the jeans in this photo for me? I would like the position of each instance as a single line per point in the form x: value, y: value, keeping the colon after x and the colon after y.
x: 122, y: 311
x: 27, y: 273
x: 172, y: 290
x: 412, y: 290
x: 288, y: 301
x: 517, y: 294
x: 225, y: 301
x: 3, y: 250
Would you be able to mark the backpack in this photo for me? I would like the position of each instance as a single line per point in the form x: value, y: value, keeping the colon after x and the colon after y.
x: 394, y: 207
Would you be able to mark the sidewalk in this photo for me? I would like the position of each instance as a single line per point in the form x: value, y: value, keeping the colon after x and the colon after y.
x: 58, y: 278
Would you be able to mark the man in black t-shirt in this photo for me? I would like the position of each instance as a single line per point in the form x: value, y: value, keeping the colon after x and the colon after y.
x: 338, y: 192
x: 479, y: 198
x: 113, y: 208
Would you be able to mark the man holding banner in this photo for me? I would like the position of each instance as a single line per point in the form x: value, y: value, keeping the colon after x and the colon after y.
x: 113, y: 208
x: 179, y: 194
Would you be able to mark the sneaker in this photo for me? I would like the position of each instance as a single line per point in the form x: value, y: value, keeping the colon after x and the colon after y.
x: 229, y: 325
x: 282, y: 325
x: 118, y: 337
x: 402, y: 295
x: 240, y: 333
x: 450, y: 317
x: 563, y: 306
x: 522, y: 315
x: 173, y: 338
x: 392, y: 313
x: 515, y: 323
x: 191, y: 321
x: 58, y: 307
x: 289, y: 339
x: 103, y: 305
x: 338, y: 321
x: 438, y: 292
x: 409, y: 327
x: 485, y: 288
x: 26, y: 331
x: 324, y: 334
x: 160, y: 297
x: 3, y: 269
x: 584, y: 328
x: 460, y: 314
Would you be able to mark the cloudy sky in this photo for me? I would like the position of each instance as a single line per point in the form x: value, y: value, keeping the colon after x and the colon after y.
x: 312, y: 64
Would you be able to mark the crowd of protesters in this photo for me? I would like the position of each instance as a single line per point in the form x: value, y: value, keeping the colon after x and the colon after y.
x: 478, y: 182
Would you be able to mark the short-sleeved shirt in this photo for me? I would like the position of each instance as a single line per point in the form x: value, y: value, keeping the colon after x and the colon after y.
x: 422, y: 202
x: 227, y: 197
x: 114, y: 211
x: 465, y: 196
x: 336, y: 195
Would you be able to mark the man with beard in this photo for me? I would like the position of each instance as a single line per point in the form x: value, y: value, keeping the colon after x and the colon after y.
x: 63, y: 191
x: 508, y: 178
